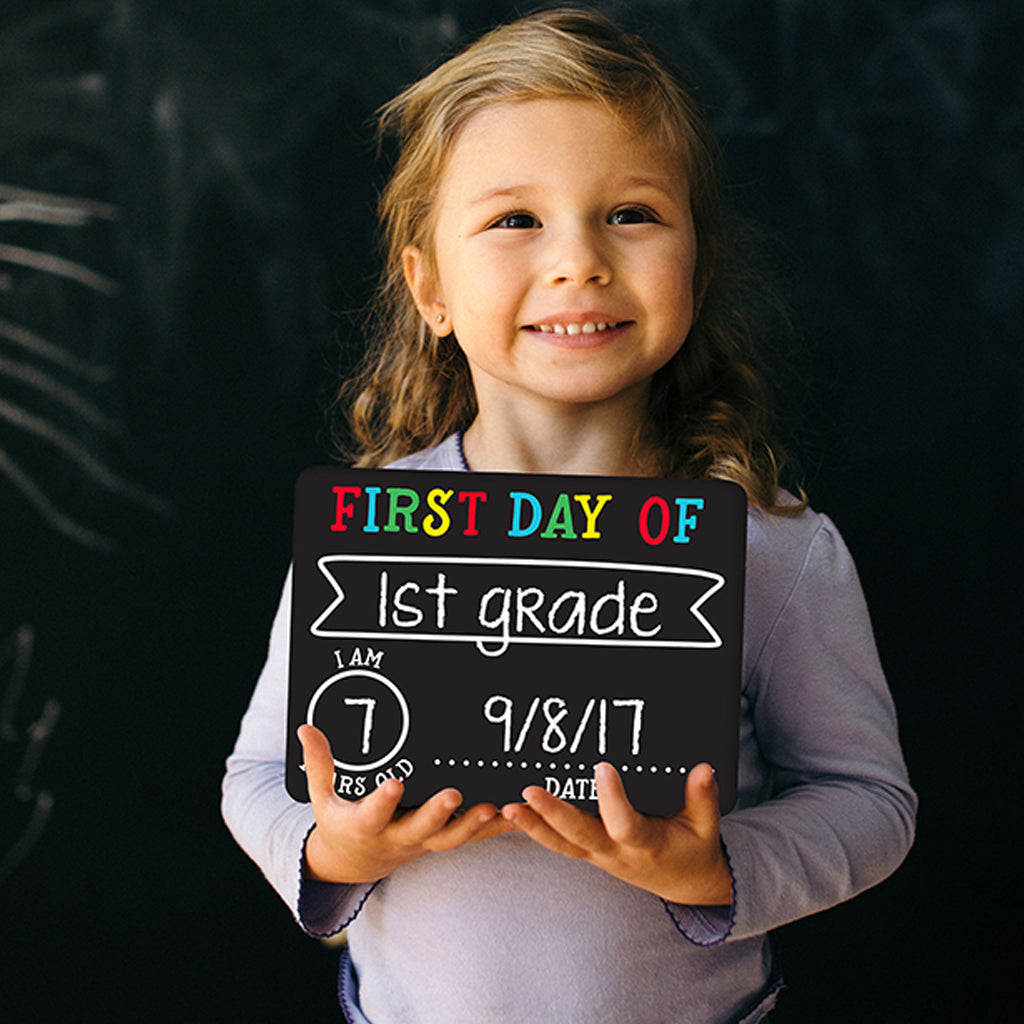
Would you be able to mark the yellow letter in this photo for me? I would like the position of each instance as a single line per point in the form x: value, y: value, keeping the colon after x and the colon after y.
x: 591, y: 532
x: 436, y: 500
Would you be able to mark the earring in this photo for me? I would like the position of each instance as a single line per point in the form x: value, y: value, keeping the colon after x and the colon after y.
x: 439, y: 318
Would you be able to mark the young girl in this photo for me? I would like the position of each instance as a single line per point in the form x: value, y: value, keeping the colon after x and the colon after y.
x: 558, y: 299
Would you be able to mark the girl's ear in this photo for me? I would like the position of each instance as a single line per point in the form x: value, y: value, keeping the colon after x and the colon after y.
x: 419, y: 277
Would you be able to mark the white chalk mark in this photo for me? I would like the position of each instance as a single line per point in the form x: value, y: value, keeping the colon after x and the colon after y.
x: 38, y: 734
x: 18, y: 648
x: 48, y: 510
x: 45, y: 384
x: 36, y: 213
x: 81, y: 456
x: 50, y: 264
x: 91, y: 207
x: 29, y: 837
x: 56, y: 354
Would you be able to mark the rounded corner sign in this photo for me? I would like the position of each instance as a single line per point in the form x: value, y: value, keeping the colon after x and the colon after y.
x: 493, y: 631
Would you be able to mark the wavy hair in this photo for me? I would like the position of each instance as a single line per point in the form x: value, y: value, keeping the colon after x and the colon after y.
x: 708, y: 410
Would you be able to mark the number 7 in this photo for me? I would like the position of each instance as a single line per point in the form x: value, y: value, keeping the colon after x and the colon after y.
x: 369, y: 703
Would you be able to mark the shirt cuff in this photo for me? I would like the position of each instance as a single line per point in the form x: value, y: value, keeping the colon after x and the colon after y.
x: 705, y: 926
x: 326, y: 908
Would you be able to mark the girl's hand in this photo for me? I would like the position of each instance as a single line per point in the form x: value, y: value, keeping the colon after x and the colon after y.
x: 363, y: 840
x: 679, y: 859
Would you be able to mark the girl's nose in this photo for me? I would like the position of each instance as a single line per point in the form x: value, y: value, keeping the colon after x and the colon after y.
x: 577, y: 257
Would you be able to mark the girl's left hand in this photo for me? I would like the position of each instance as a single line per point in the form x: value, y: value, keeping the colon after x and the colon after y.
x: 679, y: 859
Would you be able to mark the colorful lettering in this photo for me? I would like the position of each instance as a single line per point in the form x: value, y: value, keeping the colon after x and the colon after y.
x: 686, y: 522
x: 342, y: 510
x: 437, y: 525
x: 518, y: 498
x: 472, y: 497
x: 645, y: 517
x: 560, y: 520
x: 591, y: 532
x: 396, y: 508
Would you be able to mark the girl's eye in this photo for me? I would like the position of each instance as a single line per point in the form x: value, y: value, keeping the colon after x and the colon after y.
x: 632, y: 215
x: 517, y: 220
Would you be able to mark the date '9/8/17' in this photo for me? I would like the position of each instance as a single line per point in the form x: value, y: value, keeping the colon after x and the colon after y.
x: 560, y: 729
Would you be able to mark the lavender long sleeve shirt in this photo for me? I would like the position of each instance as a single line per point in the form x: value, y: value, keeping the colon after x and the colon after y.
x: 505, y: 931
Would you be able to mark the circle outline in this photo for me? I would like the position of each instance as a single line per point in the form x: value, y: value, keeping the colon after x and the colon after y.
x: 399, y: 696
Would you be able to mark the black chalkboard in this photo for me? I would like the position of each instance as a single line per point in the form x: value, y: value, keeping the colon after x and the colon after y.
x: 495, y: 631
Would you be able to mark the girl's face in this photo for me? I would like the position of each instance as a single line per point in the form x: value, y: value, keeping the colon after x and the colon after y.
x: 564, y: 255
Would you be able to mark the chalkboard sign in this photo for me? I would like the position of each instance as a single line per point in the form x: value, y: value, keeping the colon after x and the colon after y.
x: 493, y: 631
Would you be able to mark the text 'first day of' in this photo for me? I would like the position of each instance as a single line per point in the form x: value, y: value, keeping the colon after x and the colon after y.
x: 568, y: 517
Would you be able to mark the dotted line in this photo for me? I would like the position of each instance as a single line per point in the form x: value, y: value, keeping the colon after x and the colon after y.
x: 466, y: 762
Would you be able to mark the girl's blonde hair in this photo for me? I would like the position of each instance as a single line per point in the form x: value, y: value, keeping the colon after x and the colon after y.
x: 707, y: 414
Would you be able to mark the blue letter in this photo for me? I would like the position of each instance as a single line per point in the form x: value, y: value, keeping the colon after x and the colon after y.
x: 518, y: 497
x: 686, y: 522
x: 371, y: 510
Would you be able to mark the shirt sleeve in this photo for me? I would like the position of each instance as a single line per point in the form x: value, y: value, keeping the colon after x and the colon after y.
x: 266, y: 822
x: 839, y: 814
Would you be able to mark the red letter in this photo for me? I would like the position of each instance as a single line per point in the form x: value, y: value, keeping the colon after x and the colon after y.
x: 344, y: 511
x: 474, y: 496
x: 645, y: 512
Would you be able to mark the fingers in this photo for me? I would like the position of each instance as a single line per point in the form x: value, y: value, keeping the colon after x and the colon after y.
x: 319, y: 764
x: 556, y: 824
x: 525, y: 819
x: 493, y: 826
x: 701, y: 810
x: 375, y: 811
x: 678, y: 858
x: 477, y: 823
x: 415, y: 827
x: 566, y: 829
x: 622, y: 821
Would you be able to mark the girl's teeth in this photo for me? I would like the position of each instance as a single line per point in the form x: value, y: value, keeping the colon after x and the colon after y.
x: 587, y: 328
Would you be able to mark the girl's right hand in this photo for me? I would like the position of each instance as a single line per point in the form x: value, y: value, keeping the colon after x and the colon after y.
x: 363, y: 840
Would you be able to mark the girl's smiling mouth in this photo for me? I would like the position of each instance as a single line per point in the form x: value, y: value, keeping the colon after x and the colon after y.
x: 589, y: 327
x: 580, y: 329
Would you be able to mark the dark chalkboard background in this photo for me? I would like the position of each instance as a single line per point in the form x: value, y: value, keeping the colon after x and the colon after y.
x: 158, y: 397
